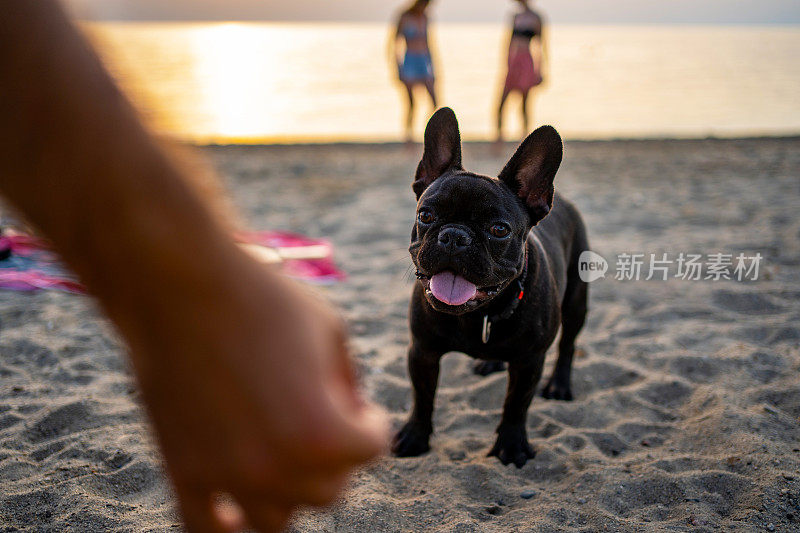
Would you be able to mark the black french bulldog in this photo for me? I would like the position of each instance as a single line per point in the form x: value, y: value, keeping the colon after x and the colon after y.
x: 497, y: 262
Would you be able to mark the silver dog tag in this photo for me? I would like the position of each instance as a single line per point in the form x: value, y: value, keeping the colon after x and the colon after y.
x: 487, y: 329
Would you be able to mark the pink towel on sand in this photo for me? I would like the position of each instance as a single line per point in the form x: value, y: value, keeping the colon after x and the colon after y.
x: 33, y: 266
x: 320, y: 270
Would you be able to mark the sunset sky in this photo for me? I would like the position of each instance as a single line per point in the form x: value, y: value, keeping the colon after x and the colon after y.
x: 559, y: 11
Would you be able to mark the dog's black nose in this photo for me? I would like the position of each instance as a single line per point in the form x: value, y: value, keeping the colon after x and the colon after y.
x: 454, y: 240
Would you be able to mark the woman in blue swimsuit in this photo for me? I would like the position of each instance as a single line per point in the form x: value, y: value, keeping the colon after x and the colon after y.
x: 415, y: 67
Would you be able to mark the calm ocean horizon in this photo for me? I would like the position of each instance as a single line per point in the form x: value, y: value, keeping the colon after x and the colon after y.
x: 316, y: 82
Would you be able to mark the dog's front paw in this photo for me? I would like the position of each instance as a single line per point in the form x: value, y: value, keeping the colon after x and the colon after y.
x: 411, y: 441
x: 484, y: 368
x: 512, y: 446
x: 556, y: 390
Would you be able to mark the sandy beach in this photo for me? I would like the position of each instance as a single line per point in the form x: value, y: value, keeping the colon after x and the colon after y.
x: 687, y: 393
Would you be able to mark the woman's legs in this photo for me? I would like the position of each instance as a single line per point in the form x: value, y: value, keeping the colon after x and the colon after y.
x: 410, y: 113
x: 429, y: 84
x: 503, y: 98
x: 524, y: 109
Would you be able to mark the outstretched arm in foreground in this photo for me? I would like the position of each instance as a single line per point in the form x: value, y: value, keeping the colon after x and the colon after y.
x: 245, y: 375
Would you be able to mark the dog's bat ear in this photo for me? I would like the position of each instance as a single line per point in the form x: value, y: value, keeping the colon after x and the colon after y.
x: 532, y: 168
x: 442, y: 149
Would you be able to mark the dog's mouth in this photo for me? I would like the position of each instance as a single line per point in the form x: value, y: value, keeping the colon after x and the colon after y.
x: 455, y: 291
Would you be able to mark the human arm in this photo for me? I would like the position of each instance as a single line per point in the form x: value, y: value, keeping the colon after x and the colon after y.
x: 541, y: 58
x: 246, y: 376
x: 398, y: 43
x: 511, y: 33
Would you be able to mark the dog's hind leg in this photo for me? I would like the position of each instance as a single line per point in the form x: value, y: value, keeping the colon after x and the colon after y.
x: 573, y: 315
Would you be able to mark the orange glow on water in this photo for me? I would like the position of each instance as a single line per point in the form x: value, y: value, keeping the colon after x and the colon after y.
x: 287, y: 82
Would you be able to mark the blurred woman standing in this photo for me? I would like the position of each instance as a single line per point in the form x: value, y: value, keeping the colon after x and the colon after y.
x: 415, y: 67
x: 525, y: 57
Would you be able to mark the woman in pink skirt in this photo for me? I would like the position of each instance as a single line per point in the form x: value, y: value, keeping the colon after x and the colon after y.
x: 524, y: 73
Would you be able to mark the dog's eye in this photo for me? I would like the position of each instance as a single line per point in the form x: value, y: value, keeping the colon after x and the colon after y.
x: 499, y: 230
x: 425, y: 216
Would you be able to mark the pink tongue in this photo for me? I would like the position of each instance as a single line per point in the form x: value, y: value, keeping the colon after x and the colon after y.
x: 451, y: 289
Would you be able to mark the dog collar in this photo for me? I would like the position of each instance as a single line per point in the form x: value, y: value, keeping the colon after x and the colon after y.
x: 509, y: 310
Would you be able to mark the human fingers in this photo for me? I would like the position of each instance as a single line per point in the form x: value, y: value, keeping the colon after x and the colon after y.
x: 265, y: 516
x: 296, y: 481
x: 343, y: 362
x: 197, y: 510
x: 229, y: 513
x: 358, y: 427
x: 354, y: 433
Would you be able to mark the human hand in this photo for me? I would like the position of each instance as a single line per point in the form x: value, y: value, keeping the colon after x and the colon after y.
x: 245, y: 375
x: 252, y: 394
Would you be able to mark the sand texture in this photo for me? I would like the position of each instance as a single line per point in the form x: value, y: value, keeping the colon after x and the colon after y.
x: 687, y: 393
